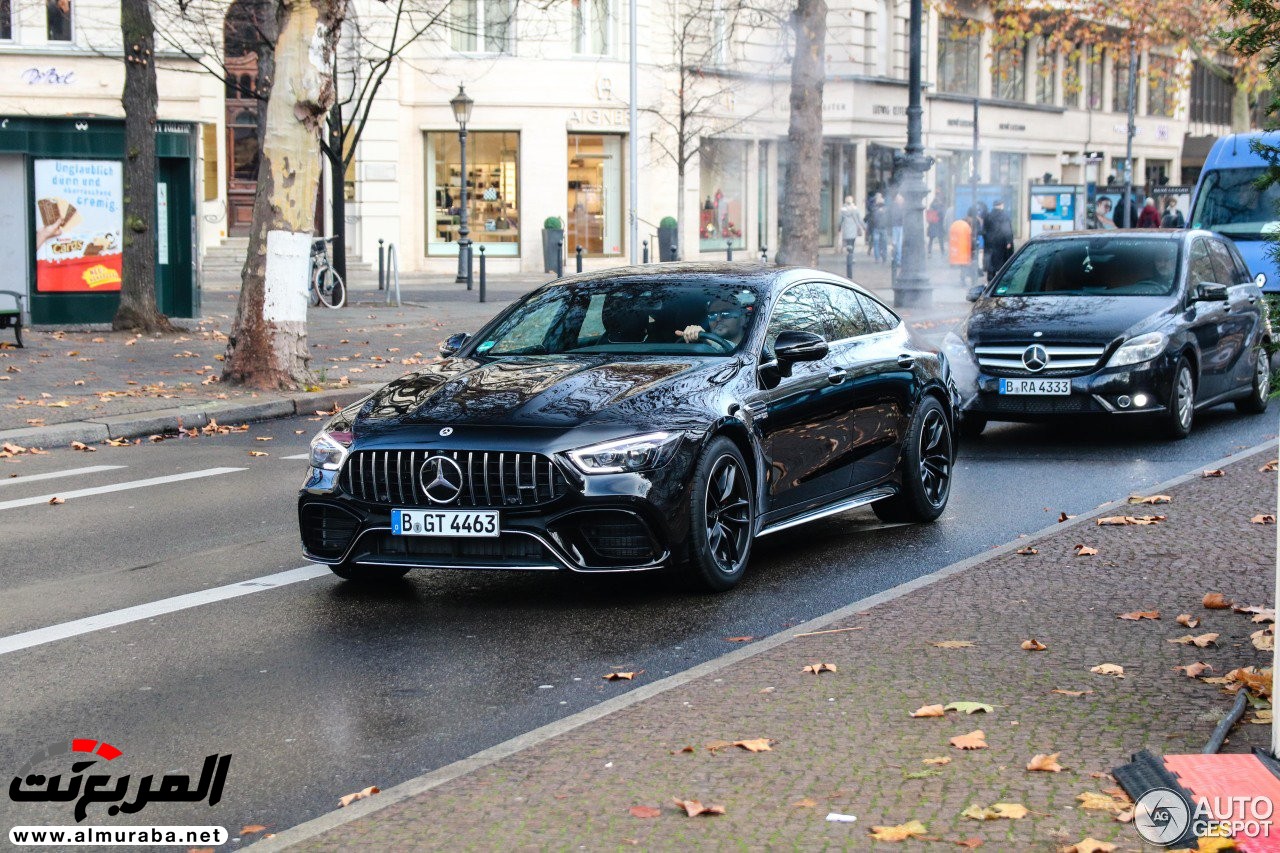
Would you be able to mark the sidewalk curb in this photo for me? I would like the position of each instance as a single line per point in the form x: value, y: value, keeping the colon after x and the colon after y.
x: 412, y: 787
x: 143, y: 424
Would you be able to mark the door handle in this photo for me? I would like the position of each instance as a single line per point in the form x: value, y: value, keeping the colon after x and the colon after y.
x: 905, y: 360
x: 837, y: 376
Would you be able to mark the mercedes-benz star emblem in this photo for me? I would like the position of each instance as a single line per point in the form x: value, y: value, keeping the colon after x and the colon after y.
x: 1035, y: 358
x: 441, y: 479
x: 446, y: 432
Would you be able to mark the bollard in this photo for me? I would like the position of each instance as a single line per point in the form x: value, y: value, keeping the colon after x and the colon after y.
x: 560, y: 259
x: 645, y: 255
x: 674, y: 250
x: 728, y: 250
x: 578, y: 260
x: 469, y: 269
x: 482, y: 274
x: 382, y: 280
x: 764, y: 254
x: 848, y: 261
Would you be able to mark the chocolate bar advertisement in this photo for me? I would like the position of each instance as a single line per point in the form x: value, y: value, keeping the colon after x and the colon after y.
x: 78, y: 225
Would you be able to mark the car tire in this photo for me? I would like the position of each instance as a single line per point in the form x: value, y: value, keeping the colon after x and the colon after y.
x: 971, y: 426
x: 722, y: 518
x: 1260, y: 388
x: 927, y: 466
x: 1182, y: 402
x: 368, y: 575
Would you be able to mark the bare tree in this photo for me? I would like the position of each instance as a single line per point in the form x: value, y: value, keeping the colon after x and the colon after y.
x: 802, y: 193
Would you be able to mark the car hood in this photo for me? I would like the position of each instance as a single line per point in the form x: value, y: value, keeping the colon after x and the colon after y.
x: 549, y: 391
x: 1071, y: 319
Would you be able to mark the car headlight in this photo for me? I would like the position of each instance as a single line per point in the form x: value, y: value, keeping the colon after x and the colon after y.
x: 329, y: 450
x: 1139, y: 349
x: 636, y: 453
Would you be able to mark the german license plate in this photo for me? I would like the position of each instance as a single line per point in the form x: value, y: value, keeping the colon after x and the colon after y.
x: 445, y: 522
x: 1038, y: 387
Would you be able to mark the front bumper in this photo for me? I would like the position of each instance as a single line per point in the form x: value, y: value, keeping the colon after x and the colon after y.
x: 1101, y: 392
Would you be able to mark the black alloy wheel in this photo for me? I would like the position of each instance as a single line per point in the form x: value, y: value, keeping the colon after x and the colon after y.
x: 723, y: 517
x: 1182, y: 402
x: 368, y: 575
x: 926, y: 468
x: 1260, y: 389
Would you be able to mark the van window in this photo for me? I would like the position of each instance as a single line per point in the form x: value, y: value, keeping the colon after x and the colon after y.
x: 1230, y: 203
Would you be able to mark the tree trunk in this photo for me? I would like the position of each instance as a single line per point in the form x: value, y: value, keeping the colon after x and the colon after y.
x: 338, y: 195
x: 268, y: 343
x: 138, y: 310
x: 802, y: 194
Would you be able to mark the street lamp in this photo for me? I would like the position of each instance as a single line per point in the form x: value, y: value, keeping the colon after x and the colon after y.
x: 462, y: 113
x: 911, y: 286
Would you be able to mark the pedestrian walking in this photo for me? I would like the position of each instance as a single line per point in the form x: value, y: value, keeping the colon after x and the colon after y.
x: 897, y: 216
x: 1173, y: 217
x: 1126, y: 215
x: 1150, y: 216
x: 997, y: 236
x: 879, y: 224
x: 934, y: 224
x: 851, y: 224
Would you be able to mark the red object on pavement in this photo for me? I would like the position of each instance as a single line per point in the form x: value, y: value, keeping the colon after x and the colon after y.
x: 1217, y: 778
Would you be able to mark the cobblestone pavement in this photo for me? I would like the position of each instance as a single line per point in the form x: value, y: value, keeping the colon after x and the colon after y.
x: 845, y: 742
x: 64, y: 375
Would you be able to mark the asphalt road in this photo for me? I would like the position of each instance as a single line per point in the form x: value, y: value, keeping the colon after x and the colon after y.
x: 318, y: 689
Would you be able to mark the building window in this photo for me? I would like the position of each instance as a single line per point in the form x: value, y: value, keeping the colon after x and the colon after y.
x: 719, y: 33
x: 58, y: 20
x: 245, y: 153
x: 1095, y: 69
x: 1009, y: 72
x: 595, y: 194
x: 1120, y: 85
x: 722, y: 181
x: 1072, y: 82
x: 493, y: 204
x: 1046, y: 74
x: 1161, y: 85
x: 481, y: 26
x: 1211, y: 94
x: 6, y: 20
x: 592, y: 25
x: 959, y: 57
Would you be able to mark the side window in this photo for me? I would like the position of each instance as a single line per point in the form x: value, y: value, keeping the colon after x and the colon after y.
x: 1231, y: 270
x: 848, y: 317
x: 1201, y: 266
x: 880, y: 318
x: 801, y: 308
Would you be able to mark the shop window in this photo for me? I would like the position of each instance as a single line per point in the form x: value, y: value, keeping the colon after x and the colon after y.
x: 723, y: 184
x: 592, y: 26
x: 493, y: 205
x: 58, y: 20
x: 959, y: 57
x: 482, y: 26
x: 1009, y: 72
x: 1161, y: 85
x: 6, y: 20
x: 594, y: 201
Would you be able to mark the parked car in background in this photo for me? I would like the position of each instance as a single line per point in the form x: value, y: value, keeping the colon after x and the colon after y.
x: 1152, y: 324
x: 636, y: 419
x: 1228, y: 201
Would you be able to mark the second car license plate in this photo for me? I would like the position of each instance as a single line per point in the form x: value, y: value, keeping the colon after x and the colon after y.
x: 1046, y: 387
x: 444, y: 522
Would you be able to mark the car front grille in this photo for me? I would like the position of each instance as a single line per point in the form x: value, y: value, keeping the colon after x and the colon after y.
x: 489, y: 478
x: 509, y: 549
x: 1064, y: 359
x: 327, y: 529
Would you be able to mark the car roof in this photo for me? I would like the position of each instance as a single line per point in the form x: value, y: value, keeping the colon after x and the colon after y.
x: 757, y: 276
x: 1180, y: 234
x: 1235, y: 151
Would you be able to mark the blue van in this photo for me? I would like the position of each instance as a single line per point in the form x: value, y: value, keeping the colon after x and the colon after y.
x: 1226, y: 200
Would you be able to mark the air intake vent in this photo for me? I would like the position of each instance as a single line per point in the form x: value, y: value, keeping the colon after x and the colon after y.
x: 327, y: 529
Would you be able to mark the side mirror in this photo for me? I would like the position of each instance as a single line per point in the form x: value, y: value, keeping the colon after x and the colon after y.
x: 453, y: 343
x: 1208, y: 292
x: 975, y: 293
x: 792, y: 346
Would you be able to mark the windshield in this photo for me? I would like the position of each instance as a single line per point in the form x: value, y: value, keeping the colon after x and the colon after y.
x: 625, y: 317
x: 1230, y: 203
x: 1093, y: 266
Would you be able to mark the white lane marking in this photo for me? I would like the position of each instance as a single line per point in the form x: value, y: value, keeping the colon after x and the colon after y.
x: 297, y: 456
x: 49, y: 475
x: 53, y: 633
x: 118, y: 487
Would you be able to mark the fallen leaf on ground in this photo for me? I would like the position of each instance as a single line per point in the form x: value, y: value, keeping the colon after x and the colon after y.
x: 258, y: 453
x: 1027, y: 551
x: 1263, y: 519
x: 1259, y: 681
x: 1008, y: 811
x: 901, y: 832
x: 1033, y: 645
x: 56, y: 501
x: 1188, y: 620
x: 1271, y: 466
x: 252, y: 828
x: 1262, y: 718
x: 644, y: 811
x: 953, y: 644
x: 1094, y: 801
x: 693, y: 808
x: 348, y: 799
x: 1071, y: 692
x: 621, y: 676
x: 973, y: 740
x: 806, y: 803
x: 1085, y: 551
x: 971, y: 843
x: 1215, y: 601
x: 1108, y: 669
x: 759, y: 744
x: 970, y: 707
x: 1062, y: 516
x: 1150, y: 499
x: 1200, y: 641
x: 1090, y: 845
x: 1137, y: 615
x: 816, y: 668
x: 1047, y: 763
x: 1193, y: 670
x: 82, y: 447
x: 1216, y: 472
x: 717, y: 745
x: 936, y: 762
x: 263, y: 438
x: 929, y: 711
x: 738, y: 639
x: 1263, y: 640
x: 1123, y: 520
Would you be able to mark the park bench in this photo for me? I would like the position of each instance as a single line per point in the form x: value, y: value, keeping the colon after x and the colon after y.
x: 11, y: 312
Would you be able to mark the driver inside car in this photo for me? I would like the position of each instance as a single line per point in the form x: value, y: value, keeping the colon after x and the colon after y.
x: 726, y: 318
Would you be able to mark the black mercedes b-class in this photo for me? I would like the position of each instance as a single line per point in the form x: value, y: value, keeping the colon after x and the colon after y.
x: 636, y: 419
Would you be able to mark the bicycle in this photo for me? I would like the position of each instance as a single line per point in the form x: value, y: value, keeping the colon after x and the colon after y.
x: 327, y: 288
